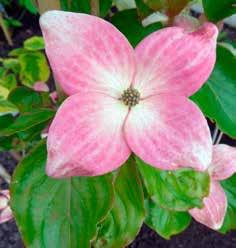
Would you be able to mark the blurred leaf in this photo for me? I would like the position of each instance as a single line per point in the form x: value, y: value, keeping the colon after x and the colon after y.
x: 3, y: 92
x: 29, y: 5
x: 57, y: 212
x: 229, y: 186
x: 25, y: 99
x: 166, y: 222
x: 34, y: 43
x: 34, y: 67
x: 7, y: 107
x: 84, y: 6
x: 6, y: 120
x: 123, y: 222
x: 177, y: 190
x: 3, y: 72
x: 217, y: 97
x: 10, y: 22
x: 27, y: 121
x: 143, y: 9
x: 105, y: 6
x: 17, y: 52
x: 12, y: 64
x: 217, y: 10
x: 171, y: 7
x: 128, y: 23
x: 9, y: 81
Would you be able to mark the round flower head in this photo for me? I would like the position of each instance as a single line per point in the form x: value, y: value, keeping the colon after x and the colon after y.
x: 124, y: 100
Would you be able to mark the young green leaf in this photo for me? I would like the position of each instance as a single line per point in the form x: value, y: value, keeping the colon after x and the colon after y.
x: 12, y: 64
x: 217, y: 10
x: 217, y: 97
x: 57, y: 212
x: 178, y: 190
x: 34, y: 43
x: 7, y: 107
x: 127, y: 214
x: 27, y: 121
x: 34, y: 67
x: 9, y: 81
x: 229, y: 186
x: 166, y: 222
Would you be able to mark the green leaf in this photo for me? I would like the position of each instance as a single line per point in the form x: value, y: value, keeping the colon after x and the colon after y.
x: 34, y: 43
x: 177, y: 190
x: 76, y: 6
x: 128, y: 23
x: 143, y: 9
x: 105, y: 6
x: 217, y: 10
x: 29, y: 5
x: 166, y: 222
x: 127, y: 214
x: 57, y: 213
x: 229, y: 186
x: 17, y: 52
x: 34, y: 67
x: 3, y: 92
x: 217, y: 97
x: 27, y: 121
x: 171, y: 7
x: 11, y: 22
x: 7, y: 107
x: 9, y: 81
x: 12, y: 64
x: 25, y: 99
x: 6, y: 120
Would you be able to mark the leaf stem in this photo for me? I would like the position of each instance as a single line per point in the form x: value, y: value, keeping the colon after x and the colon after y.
x: 95, y: 7
x: 4, y: 174
x: 5, y: 31
x: 215, y: 134
x: 219, y: 138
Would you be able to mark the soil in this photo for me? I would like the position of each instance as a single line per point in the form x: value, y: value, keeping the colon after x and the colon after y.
x: 196, y: 235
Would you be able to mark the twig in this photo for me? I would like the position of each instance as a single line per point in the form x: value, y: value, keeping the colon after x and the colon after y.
x: 16, y: 155
x: 4, y: 174
x: 5, y: 31
x: 219, y: 138
x: 216, y: 130
x: 95, y: 9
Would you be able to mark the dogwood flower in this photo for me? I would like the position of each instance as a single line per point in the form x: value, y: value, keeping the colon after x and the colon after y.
x: 5, y: 210
x: 124, y: 100
x: 223, y: 166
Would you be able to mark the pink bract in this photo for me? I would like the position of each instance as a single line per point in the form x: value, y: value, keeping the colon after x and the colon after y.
x: 223, y: 165
x: 94, y: 132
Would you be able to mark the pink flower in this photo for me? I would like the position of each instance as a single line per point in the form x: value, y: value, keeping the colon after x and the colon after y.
x: 223, y: 166
x: 5, y: 210
x: 124, y: 100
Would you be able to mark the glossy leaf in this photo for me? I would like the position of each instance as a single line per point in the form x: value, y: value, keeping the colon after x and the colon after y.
x: 217, y: 97
x: 34, y: 67
x: 25, y: 99
x: 57, y: 213
x: 128, y: 23
x: 34, y: 43
x: 166, y: 222
x: 125, y: 219
x: 27, y: 121
x: 229, y: 186
x: 217, y: 10
x: 177, y: 190
x: 7, y: 107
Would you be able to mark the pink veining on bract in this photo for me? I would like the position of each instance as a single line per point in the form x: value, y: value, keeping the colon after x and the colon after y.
x: 94, y: 132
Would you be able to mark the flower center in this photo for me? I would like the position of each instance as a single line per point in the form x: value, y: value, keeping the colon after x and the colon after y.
x: 130, y: 97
